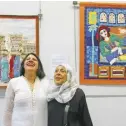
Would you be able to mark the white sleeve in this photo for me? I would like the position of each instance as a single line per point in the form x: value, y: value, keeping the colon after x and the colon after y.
x: 9, y: 103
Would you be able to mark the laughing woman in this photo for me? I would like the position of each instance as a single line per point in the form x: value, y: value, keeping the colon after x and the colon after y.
x: 66, y: 101
x: 26, y: 95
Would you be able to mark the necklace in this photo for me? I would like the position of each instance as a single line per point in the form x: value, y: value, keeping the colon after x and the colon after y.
x: 30, y: 85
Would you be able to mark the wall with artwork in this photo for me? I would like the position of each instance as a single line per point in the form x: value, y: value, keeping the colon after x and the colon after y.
x: 106, y: 102
x: 18, y: 37
x: 103, y: 43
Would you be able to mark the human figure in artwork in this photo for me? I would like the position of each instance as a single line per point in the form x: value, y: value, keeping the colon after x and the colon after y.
x: 11, y: 73
x: 4, y: 66
x: 109, y: 44
x: 17, y: 66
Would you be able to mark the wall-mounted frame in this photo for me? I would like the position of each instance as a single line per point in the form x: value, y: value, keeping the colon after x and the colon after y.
x: 102, y: 43
x: 19, y: 35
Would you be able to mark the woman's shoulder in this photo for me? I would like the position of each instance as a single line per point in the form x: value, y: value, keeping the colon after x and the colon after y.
x: 80, y: 92
x: 78, y: 98
x: 112, y: 35
x: 79, y: 95
x: 45, y: 83
x: 14, y: 80
x: 45, y: 79
x: 102, y: 43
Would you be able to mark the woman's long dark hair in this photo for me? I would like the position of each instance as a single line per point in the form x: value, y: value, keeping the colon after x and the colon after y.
x: 40, y: 72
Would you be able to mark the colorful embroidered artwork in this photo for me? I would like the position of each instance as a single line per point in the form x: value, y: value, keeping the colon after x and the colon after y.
x: 18, y: 37
x: 4, y: 69
x: 103, y: 44
x: 11, y: 73
x: 17, y: 66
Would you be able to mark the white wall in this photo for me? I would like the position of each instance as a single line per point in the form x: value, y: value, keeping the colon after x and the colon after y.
x: 106, y: 103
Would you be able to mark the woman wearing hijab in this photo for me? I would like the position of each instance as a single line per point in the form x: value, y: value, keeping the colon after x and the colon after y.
x: 26, y: 95
x: 66, y: 101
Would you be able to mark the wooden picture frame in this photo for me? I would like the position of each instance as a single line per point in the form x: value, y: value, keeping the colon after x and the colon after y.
x: 19, y: 35
x: 102, y: 43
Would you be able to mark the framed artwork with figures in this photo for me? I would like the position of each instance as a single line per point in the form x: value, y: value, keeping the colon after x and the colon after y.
x: 19, y: 35
x: 102, y: 43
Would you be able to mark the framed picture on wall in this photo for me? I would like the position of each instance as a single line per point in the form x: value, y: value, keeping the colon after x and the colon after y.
x: 19, y: 35
x: 102, y: 43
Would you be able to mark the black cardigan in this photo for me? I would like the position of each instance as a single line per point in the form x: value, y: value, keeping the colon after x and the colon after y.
x: 78, y: 114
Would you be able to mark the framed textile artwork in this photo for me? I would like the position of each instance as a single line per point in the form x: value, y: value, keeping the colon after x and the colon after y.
x: 102, y: 43
x: 19, y: 35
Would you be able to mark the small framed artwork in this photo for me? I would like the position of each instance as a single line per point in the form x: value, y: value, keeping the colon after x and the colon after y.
x: 19, y: 35
x: 102, y: 43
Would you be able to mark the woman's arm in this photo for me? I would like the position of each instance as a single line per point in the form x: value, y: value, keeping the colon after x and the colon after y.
x: 9, y: 103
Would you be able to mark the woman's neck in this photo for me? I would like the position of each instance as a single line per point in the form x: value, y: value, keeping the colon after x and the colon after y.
x: 106, y: 39
x: 30, y: 77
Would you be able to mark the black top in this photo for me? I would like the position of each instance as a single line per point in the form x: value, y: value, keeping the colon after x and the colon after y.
x: 78, y: 114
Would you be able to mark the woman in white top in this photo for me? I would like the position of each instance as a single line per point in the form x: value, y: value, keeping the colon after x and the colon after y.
x: 26, y: 95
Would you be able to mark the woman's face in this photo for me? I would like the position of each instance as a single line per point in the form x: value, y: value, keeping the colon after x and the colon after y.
x: 103, y: 33
x: 60, y: 75
x: 31, y: 63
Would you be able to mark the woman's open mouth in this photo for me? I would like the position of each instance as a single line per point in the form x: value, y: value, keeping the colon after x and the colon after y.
x: 32, y: 64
